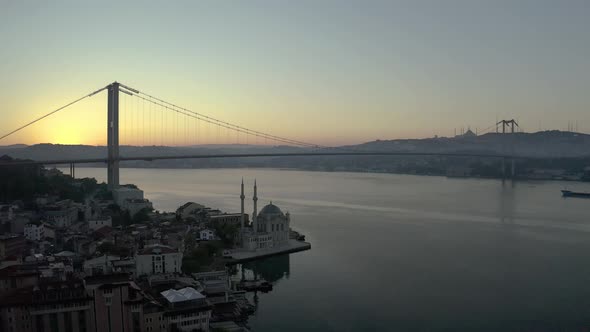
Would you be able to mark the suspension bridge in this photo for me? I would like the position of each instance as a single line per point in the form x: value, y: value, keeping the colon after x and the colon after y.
x: 168, y: 122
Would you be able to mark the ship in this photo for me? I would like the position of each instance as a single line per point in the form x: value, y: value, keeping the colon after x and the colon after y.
x: 569, y: 193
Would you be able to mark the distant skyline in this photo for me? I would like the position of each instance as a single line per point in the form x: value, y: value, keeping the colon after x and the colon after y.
x: 327, y: 72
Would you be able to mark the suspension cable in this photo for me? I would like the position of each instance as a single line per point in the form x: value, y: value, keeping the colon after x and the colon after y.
x: 225, y: 124
x: 53, y: 112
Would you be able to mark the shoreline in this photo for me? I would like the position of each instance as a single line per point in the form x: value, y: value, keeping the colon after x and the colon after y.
x: 517, y: 178
x: 294, y: 246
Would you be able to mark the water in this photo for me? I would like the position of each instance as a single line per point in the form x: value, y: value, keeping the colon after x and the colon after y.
x: 406, y: 253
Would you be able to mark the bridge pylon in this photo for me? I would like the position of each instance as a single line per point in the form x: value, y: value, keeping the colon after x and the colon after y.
x: 113, y: 136
x: 510, y: 125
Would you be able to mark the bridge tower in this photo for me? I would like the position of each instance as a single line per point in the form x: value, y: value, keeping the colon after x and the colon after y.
x: 113, y: 136
x: 510, y: 125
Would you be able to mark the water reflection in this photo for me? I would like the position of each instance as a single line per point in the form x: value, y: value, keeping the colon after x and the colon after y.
x: 271, y: 269
x: 506, y: 201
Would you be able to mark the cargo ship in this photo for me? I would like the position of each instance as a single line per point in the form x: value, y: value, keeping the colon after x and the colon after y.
x: 569, y: 193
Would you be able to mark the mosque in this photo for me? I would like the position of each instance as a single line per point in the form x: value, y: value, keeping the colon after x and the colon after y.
x: 269, y: 228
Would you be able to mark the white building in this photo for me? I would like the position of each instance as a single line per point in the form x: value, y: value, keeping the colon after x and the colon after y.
x: 270, y: 227
x: 34, y: 231
x: 156, y: 259
x: 97, y: 223
x: 131, y: 199
x: 207, y: 234
x: 188, y: 309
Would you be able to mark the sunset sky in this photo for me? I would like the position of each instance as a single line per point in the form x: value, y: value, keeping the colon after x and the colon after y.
x: 328, y: 72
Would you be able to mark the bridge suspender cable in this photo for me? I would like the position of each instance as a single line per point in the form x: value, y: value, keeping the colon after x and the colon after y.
x: 52, y: 112
x: 217, y: 122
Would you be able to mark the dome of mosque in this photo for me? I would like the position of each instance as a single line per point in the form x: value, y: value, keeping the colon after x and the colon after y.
x: 270, y: 209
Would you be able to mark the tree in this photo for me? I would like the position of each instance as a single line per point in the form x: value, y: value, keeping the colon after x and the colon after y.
x: 142, y: 216
x: 227, y: 232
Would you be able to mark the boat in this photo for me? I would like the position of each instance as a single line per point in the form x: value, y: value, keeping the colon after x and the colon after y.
x: 569, y: 193
x: 296, y: 236
x: 255, y: 285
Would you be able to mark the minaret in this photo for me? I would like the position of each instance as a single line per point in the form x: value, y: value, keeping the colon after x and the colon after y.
x: 254, y: 214
x: 242, y: 208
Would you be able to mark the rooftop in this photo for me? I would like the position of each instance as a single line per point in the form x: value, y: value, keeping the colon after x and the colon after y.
x: 107, y: 278
x: 157, y: 249
x: 181, y: 295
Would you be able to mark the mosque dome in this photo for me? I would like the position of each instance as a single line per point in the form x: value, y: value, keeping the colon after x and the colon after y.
x: 270, y: 210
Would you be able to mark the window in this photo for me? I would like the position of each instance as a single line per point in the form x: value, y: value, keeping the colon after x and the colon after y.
x: 67, y: 316
x: 82, y: 320
x: 53, y: 323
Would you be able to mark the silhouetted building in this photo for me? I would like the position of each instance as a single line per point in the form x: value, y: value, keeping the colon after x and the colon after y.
x: 55, y: 306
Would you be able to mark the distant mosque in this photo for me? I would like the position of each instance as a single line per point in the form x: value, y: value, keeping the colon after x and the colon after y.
x: 269, y: 228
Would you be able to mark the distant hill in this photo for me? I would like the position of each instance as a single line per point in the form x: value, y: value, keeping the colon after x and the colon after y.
x: 545, y: 144
x: 549, y: 144
x: 13, y: 146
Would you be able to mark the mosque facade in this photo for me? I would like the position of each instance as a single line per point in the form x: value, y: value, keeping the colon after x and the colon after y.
x: 269, y: 228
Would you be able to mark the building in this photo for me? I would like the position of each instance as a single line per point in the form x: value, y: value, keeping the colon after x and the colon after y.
x: 99, y: 222
x: 11, y: 245
x: 117, y: 303
x: 61, y: 216
x: 55, y: 306
x: 189, y: 209
x: 49, y: 231
x: 16, y: 276
x: 215, y: 283
x: 34, y: 231
x: 136, y: 205
x: 226, y: 218
x: 110, y: 302
x: 19, y: 220
x: 207, y: 234
x: 122, y: 194
x: 156, y: 259
x: 186, y: 310
x: 131, y: 199
x: 468, y: 134
x: 270, y: 228
x: 7, y: 212
x: 99, y: 265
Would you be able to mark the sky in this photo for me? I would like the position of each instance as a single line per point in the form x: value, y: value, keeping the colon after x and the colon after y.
x: 327, y: 72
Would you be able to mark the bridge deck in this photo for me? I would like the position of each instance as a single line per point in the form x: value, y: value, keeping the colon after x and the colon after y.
x: 255, y: 155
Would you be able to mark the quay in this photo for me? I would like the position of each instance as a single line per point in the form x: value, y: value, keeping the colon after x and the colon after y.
x: 241, y: 256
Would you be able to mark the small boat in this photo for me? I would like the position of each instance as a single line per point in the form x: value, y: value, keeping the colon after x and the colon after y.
x: 569, y: 193
x: 255, y: 285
